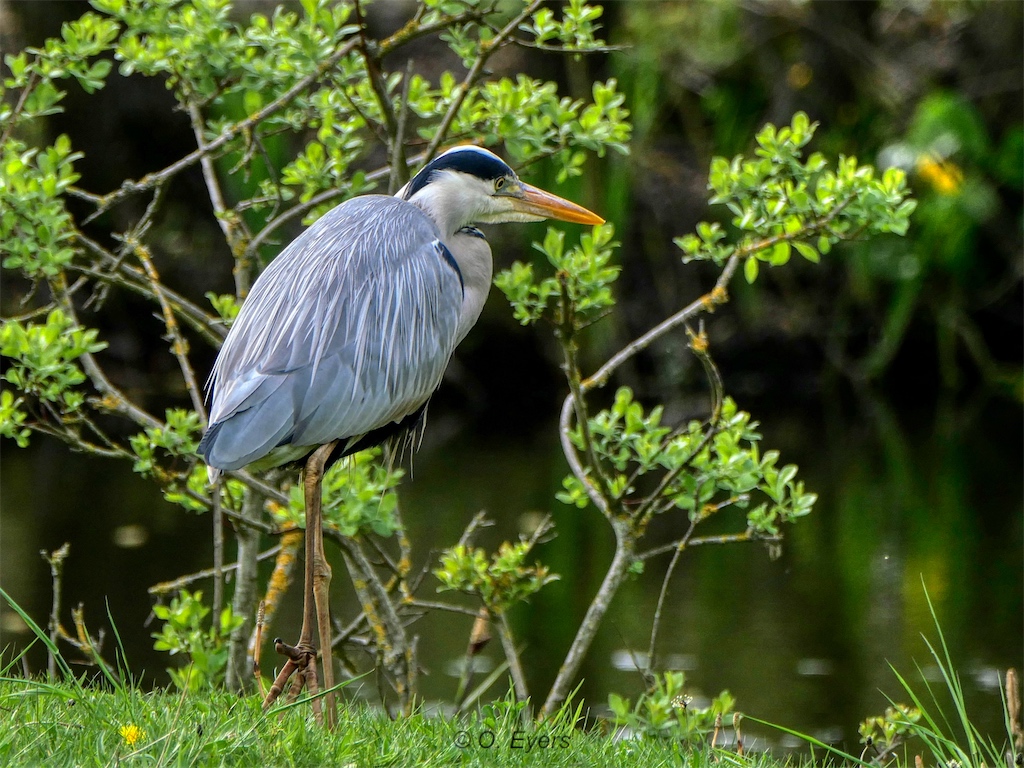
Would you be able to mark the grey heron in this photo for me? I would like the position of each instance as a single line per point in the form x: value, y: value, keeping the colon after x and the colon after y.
x: 347, y: 333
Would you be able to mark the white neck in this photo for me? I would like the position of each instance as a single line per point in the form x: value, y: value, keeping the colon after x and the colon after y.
x: 473, y: 255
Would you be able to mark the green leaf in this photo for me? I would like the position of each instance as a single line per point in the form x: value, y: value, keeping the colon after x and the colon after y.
x: 807, y: 251
x: 750, y: 269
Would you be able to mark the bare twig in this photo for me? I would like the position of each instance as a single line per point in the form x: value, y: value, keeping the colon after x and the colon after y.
x: 707, y: 302
x: 434, y: 605
x: 393, y: 646
x: 399, y: 164
x: 166, y: 587
x: 232, y: 225
x: 84, y: 642
x: 56, y: 561
x: 134, y: 279
x: 179, y: 347
x: 479, y: 521
x: 697, y: 541
x: 515, y: 666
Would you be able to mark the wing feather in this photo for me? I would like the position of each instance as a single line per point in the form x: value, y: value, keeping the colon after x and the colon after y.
x: 348, y: 330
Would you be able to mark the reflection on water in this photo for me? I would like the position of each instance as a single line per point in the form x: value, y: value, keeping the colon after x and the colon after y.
x: 905, y: 499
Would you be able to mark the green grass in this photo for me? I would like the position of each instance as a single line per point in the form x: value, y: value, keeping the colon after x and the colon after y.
x: 68, y: 724
x: 113, y: 721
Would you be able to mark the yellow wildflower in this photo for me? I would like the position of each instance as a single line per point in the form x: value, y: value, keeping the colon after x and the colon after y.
x: 131, y: 733
x: 943, y: 175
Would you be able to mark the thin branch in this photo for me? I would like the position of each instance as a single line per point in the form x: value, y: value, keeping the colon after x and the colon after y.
x: 166, y: 587
x: 399, y: 164
x: 487, y: 49
x: 151, y: 180
x: 179, y: 347
x: 134, y: 279
x: 707, y: 302
x: 302, y: 209
x: 371, y: 58
x: 12, y: 119
x: 699, y: 347
x: 515, y: 666
x: 115, y: 262
x: 479, y: 521
x: 552, y: 48
x: 566, y: 335
x: 698, y: 541
x: 256, y: 484
x: 564, y: 430
x: 548, y: 48
x: 413, y: 29
x: 113, y: 398
x: 55, y: 560
x: 225, y: 219
x: 404, y: 554
x: 431, y: 605
x: 716, y: 296
x: 656, y: 623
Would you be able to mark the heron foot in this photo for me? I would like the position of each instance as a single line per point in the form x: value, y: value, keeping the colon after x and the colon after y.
x: 302, y: 665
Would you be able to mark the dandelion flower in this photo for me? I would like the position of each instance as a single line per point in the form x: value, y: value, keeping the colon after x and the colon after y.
x: 131, y: 733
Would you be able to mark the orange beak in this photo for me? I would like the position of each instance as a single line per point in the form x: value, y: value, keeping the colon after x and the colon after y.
x: 537, y: 202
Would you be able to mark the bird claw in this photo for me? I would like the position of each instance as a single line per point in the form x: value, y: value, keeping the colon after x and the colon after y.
x: 302, y: 664
x: 294, y: 653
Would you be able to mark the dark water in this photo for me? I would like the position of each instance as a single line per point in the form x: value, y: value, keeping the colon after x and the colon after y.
x: 913, y: 494
x: 908, y: 497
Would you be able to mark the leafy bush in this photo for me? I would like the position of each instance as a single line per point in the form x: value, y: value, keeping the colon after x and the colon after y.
x: 183, y: 632
x: 294, y: 112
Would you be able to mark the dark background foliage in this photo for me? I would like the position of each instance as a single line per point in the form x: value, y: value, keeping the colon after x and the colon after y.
x: 891, y: 372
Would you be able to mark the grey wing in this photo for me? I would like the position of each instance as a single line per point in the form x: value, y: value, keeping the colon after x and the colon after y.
x: 349, y: 329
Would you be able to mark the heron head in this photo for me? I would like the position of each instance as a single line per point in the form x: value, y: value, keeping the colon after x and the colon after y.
x: 470, y: 185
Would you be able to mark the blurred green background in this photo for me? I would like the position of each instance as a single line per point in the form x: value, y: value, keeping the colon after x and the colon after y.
x: 891, y: 373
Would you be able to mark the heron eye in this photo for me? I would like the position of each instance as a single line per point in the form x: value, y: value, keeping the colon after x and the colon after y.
x: 499, y: 183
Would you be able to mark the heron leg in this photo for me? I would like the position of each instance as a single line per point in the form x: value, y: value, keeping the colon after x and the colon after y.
x: 315, y: 607
x: 318, y: 573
